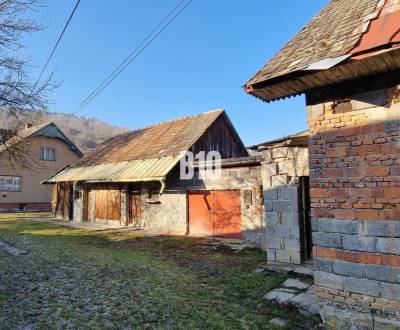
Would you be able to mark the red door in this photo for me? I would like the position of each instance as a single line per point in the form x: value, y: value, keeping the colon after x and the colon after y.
x: 227, y: 217
x: 200, y: 213
x: 215, y: 213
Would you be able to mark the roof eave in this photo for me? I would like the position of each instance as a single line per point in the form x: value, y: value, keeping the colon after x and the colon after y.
x: 299, y: 82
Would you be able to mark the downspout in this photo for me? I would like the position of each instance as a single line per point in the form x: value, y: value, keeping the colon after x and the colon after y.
x: 163, y: 186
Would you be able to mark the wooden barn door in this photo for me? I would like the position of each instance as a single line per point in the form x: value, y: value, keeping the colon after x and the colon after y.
x: 215, y: 213
x: 134, y: 207
x: 107, y: 204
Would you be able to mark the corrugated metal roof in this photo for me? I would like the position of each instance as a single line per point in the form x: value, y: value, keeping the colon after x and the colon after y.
x: 125, y: 171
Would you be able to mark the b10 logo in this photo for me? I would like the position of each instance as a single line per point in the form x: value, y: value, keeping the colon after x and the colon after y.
x: 209, y: 165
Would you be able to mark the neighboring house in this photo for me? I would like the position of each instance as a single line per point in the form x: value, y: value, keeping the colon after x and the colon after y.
x: 134, y: 179
x: 347, y: 62
x: 45, y: 150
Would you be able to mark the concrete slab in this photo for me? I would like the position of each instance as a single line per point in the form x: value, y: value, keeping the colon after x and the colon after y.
x: 304, y: 272
x: 296, y: 284
x: 306, y: 304
x: 279, y: 296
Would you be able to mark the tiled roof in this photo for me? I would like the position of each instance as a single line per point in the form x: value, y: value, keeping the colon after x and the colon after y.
x: 165, y: 139
x: 44, y: 129
x: 332, y: 33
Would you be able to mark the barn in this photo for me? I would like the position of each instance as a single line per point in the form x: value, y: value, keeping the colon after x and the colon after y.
x: 134, y: 180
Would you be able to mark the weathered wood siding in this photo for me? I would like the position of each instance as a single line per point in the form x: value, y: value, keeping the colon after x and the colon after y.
x: 107, y: 203
x: 221, y: 137
x: 62, y: 200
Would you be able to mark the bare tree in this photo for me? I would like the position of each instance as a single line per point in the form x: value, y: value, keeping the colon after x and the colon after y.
x: 20, y: 95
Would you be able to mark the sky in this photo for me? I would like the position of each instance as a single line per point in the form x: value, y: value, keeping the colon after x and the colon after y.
x: 199, y: 63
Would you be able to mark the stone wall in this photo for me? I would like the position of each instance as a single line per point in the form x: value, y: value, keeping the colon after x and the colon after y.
x: 355, y: 194
x: 167, y: 215
x: 281, y: 169
x: 242, y: 178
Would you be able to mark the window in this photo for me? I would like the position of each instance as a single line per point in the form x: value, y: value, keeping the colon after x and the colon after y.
x: 47, y: 154
x: 10, y: 183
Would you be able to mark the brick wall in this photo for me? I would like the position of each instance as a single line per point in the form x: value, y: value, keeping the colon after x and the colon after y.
x: 355, y: 193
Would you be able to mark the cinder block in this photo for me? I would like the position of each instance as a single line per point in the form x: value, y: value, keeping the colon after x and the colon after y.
x: 280, y: 152
x: 369, y: 100
x: 327, y: 240
x: 324, y: 225
x: 268, y: 205
x: 383, y: 273
x: 286, y: 166
x: 314, y: 223
x: 271, y: 194
x: 390, y: 291
x: 281, y: 206
x: 350, y: 227
x: 290, y: 218
x: 288, y: 256
x: 295, y: 232
x: 388, y: 245
x: 272, y: 218
x: 271, y: 254
x: 382, y: 228
x: 291, y: 244
x: 273, y: 243
x: 288, y: 194
x: 269, y: 169
x: 358, y: 243
x: 279, y: 181
x: 282, y: 231
x: 323, y: 265
x: 361, y: 286
x: 329, y: 280
x: 349, y: 268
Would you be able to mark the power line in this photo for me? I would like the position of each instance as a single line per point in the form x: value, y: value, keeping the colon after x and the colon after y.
x: 132, y: 56
x: 57, y: 43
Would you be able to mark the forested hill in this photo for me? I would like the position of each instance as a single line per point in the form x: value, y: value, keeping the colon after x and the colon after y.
x: 86, y: 133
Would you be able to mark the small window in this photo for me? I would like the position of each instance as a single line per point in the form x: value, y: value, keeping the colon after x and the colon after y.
x: 10, y: 183
x: 47, y: 154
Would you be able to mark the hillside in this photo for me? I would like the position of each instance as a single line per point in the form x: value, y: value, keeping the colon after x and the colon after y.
x: 86, y: 133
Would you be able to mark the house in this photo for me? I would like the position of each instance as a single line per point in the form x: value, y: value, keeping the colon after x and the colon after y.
x: 44, y: 149
x: 347, y: 63
x: 134, y: 179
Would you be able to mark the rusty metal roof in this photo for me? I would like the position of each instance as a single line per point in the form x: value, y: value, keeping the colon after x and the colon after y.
x: 342, y: 29
x: 125, y: 171
x: 146, y: 154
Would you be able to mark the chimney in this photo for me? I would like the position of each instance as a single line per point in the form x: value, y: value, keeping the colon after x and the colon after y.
x: 28, y: 125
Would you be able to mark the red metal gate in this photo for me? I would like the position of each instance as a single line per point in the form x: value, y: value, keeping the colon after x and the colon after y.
x: 215, y: 213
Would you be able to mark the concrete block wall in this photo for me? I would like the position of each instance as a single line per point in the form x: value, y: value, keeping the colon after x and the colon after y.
x: 354, y: 159
x: 281, y: 169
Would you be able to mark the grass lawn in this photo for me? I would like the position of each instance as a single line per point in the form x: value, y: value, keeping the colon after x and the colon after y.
x: 72, y: 278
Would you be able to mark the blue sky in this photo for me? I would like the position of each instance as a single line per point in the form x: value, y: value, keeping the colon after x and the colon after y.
x: 199, y: 63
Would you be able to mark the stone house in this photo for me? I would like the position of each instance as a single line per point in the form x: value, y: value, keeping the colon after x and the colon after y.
x: 347, y: 63
x: 134, y: 180
x: 45, y: 149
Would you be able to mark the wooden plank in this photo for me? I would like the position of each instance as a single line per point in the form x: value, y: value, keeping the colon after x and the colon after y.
x: 114, y: 205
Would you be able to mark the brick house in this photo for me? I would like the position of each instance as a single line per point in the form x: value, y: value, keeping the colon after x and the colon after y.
x: 134, y: 180
x: 47, y: 149
x: 347, y: 63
